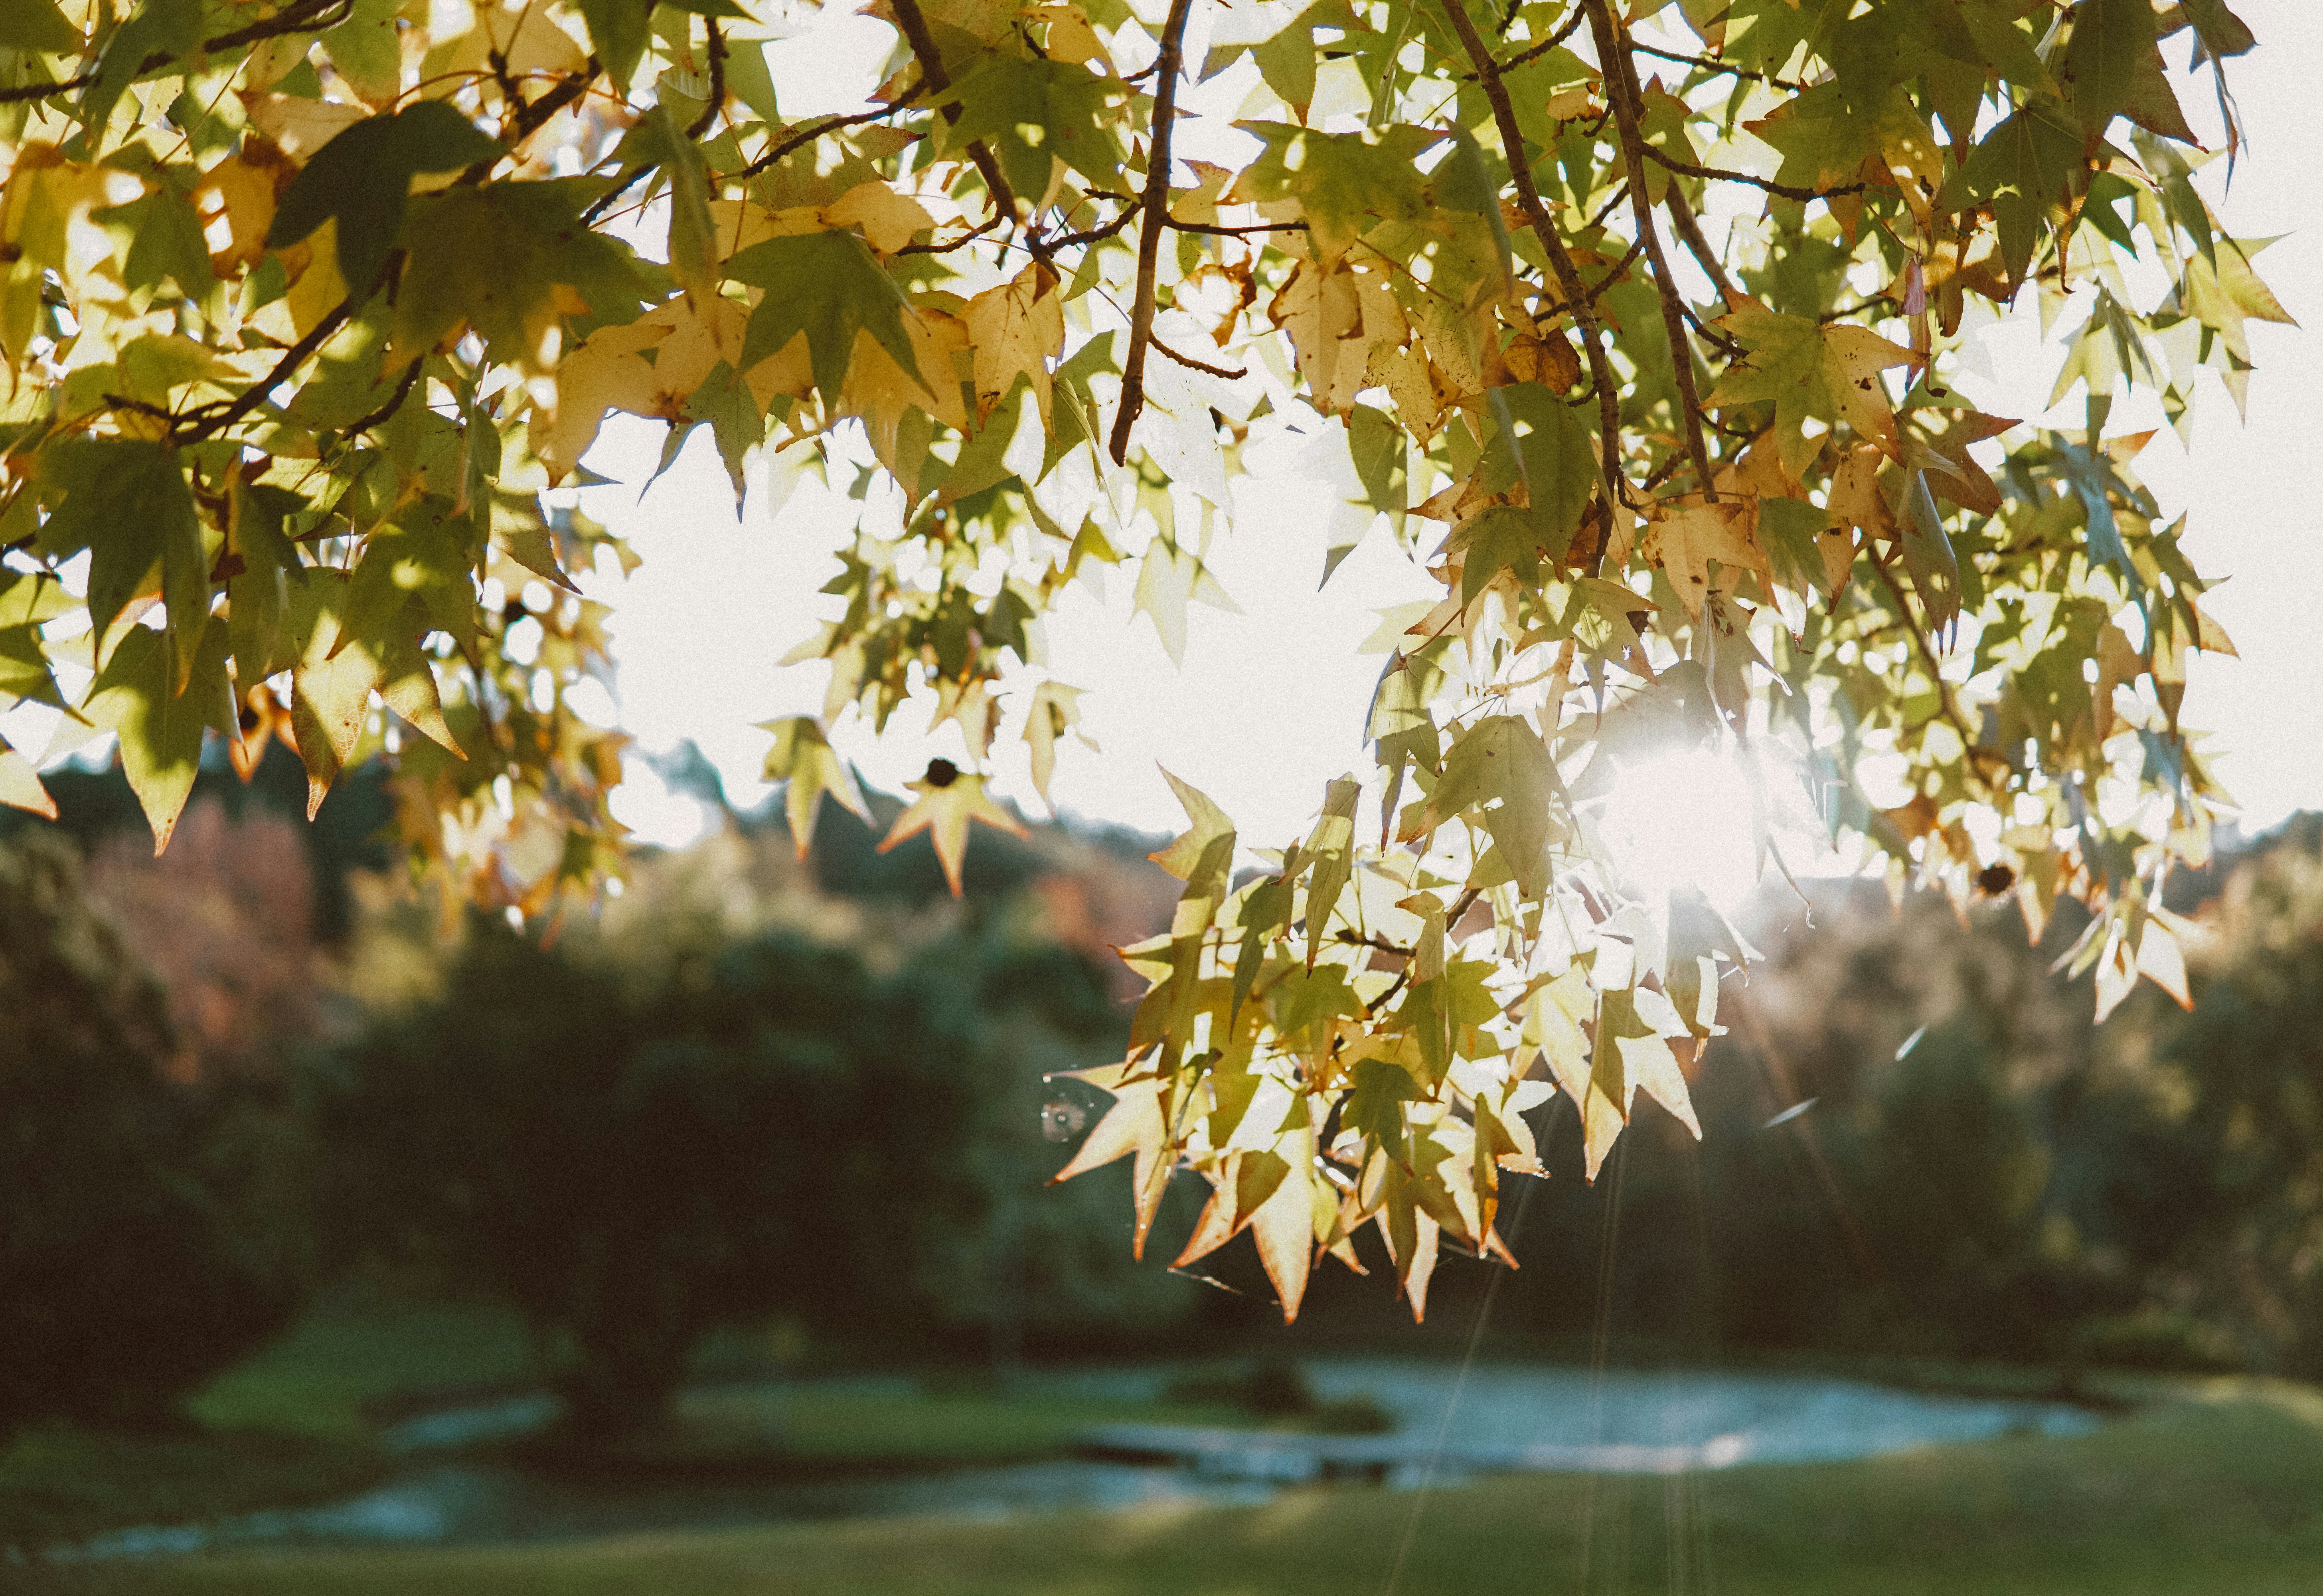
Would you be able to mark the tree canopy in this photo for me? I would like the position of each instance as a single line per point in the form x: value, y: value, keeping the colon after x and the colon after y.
x: 1634, y: 324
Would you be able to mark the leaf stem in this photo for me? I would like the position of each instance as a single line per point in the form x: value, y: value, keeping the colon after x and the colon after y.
x: 1156, y: 207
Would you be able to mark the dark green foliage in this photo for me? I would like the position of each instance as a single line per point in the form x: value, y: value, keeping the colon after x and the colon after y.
x: 133, y: 1263
x: 635, y: 1156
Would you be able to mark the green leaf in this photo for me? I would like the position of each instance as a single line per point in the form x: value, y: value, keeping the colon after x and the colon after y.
x: 1808, y: 369
x: 164, y: 235
x: 1787, y: 529
x: 2025, y: 169
x: 38, y: 24
x: 619, y: 32
x: 125, y: 500
x: 658, y: 143
x: 258, y: 594
x: 827, y: 286
x: 2111, y: 40
x: 1343, y: 184
x: 1928, y: 557
x: 160, y: 728
x: 362, y: 179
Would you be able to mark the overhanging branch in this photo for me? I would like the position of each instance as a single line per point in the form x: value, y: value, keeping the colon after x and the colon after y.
x: 1156, y: 210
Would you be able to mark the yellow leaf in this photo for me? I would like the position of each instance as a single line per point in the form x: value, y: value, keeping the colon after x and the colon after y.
x: 1134, y: 1124
x: 1015, y: 330
x: 1055, y: 710
x: 804, y: 759
x: 948, y: 799
x: 301, y: 126
x: 887, y: 220
x: 1686, y: 539
x: 237, y: 200
x: 20, y: 785
x: 687, y: 337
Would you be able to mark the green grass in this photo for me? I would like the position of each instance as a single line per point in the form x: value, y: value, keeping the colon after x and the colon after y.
x: 2219, y: 1492
x: 816, y: 1429
x: 325, y: 1376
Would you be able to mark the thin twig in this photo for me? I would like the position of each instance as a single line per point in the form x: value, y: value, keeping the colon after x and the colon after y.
x: 1690, y: 231
x: 1625, y: 96
x: 1712, y: 64
x: 305, y: 18
x: 1189, y: 362
x: 1157, y: 217
x: 717, y: 80
x: 1543, y: 48
x: 1214, y: 229
x: 395, y: 400
x: 1725, y: 175
x: 209, y: 420
x: 41, y: 91
x: 965, y: 239
x: 1544, y: 228
x: 807, y: 135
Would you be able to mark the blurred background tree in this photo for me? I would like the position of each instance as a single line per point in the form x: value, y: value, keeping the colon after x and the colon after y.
x: 139, y: 1251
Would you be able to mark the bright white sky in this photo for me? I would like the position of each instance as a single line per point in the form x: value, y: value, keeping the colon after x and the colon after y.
x: 1270, y: 702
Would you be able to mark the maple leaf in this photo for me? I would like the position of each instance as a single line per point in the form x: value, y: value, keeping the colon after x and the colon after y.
x: 1808, y: 369
x: 804, y: 760
x: 949, y: 798
x: 1015, y: 330
x: 1055, y: 710
x: 362, y: 179
x: 1685, y: 541
x: 1134, y: 1123
x: 825, y: 288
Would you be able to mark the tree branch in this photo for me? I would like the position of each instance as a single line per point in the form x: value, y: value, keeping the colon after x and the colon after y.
x: 395, y: 400
x: 1189, y: 362
x: 1544, y: 228
x: 1572, y: 23
x: 807, y: 135
x: 1156, y: 207
x: 41, y: 91
x: 717, y: 80
x: 1690, y: 231
x: 1712, y: 64
x: 207, y: 421
x: 932, y: 73
x: 1622, y: 91
x: 965, y: 239
x: 1723, y: 175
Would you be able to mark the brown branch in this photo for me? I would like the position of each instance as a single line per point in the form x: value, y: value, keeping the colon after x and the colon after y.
x: 807, y: 135
x: 531, y: 117
x: 1213, y: 230
x: 717, y: 80
x: 207, y: 421
x: 305, y: 17
x: 1156, y: 207
x: 1712, y: 64
x: 1189, y: 362
x: 1724, y: 175
x: 1542, y: 49
x: 914, y: 27
x: 1690, y: 231
x: 962, y: 241
x: 1544, y: 228
x: 395, y: 400
x: 41, y: 91
x: 1626, y: 98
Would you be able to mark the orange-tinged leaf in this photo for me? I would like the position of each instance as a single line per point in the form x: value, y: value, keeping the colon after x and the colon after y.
x: 1134, y: 1124
x: 1686, y: 539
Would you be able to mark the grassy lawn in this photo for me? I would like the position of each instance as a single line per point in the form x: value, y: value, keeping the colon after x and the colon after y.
x: 2218, y: 1491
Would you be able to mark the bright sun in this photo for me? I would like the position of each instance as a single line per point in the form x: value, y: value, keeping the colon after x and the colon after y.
x: 1682, y: 819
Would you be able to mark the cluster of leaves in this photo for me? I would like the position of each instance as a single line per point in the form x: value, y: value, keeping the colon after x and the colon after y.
x: 307, y: 305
